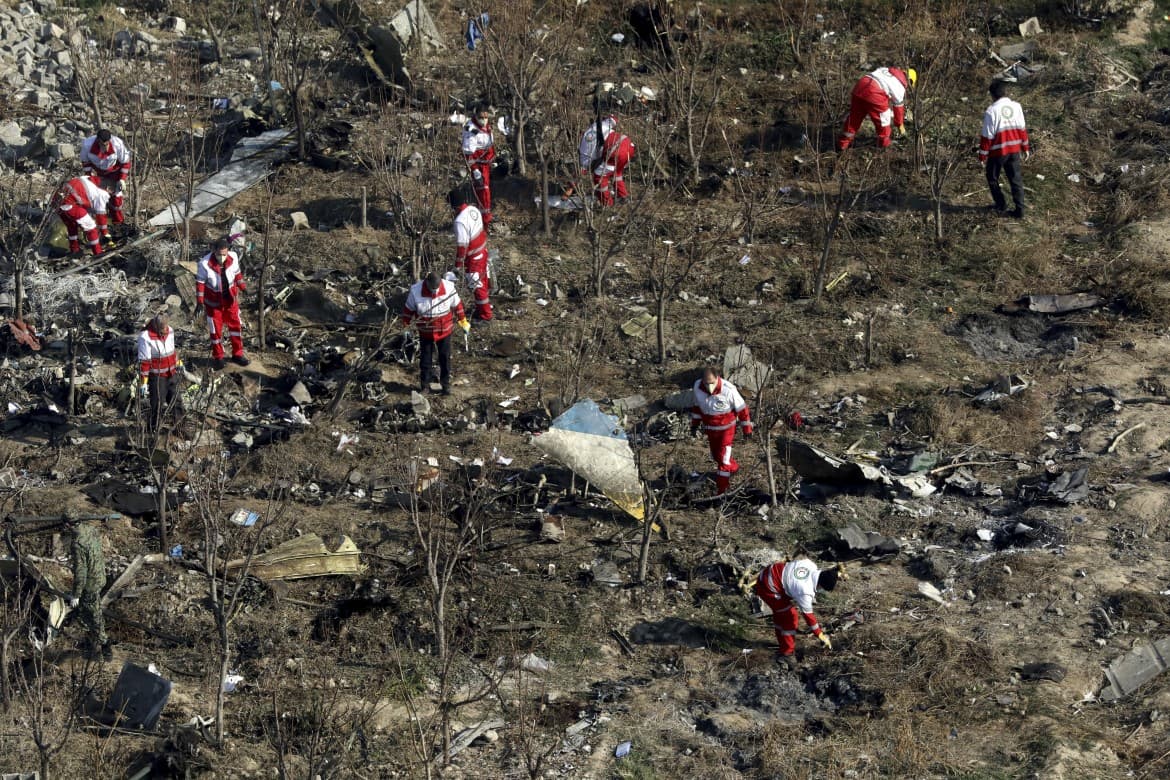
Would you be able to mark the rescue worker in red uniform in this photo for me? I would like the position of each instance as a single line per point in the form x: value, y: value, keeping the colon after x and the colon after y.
x: 607, y: 163
x: 788, y: 587
x: 1003, y: 146
x: 82, y: 203
x: 434, y: 306
x: 471, y: 253
x: 721, y: 410
x: 479, y: 151
x: 158, y: 368
x: 105, y: 155
x: 881, y: 96
x: 218, y: 284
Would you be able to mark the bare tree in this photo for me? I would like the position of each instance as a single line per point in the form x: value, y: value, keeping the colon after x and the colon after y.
x: 522, y: 47
x: 403, y: 159
x: 693, y: 91
x: 448, y: 528
x: 222, y: 541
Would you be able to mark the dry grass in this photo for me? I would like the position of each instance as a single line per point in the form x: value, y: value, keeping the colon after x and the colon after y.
x: 1030, y: 574
x: 953, y: 420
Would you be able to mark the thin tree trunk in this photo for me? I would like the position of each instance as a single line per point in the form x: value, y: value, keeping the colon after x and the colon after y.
x: 544, y: 215
x: 661, y: 296
x: 261, y: 281
x: 72, y: 357
x: 830, y: 231
x: 771, y: 468
x: 224, y: 659
x: 647, y: 532
x: 19, y: 283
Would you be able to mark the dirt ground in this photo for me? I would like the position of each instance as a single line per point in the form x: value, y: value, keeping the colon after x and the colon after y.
x: 462, y: 618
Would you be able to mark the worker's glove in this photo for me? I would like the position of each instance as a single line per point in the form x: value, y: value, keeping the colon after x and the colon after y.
x: 119, y: 186
x: 694, y: 431
x: 842, y: 573
x: 476, y: 174
x: 1027, y: 156
x: 464, y: 325
x: 144, y: 390
x: 747, y: 583
x: 825, y: 640
x: 901, y: 129
x: 73, y: 602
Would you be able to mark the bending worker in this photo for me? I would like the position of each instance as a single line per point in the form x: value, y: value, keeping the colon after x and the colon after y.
x: 786, y: 586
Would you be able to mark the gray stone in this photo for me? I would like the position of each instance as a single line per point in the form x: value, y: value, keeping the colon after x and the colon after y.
x: 41, y: 98
x: 419, y: 404
x: 175, y: 24
x: 300, y: 394
x: 11, y: 135
x: 250, y: 53
x: 123, y: 40
x: 50, y: 31
x: 66, y: 59
x: 146, y: 38
x: 62, y: 152
x: 26, y: 10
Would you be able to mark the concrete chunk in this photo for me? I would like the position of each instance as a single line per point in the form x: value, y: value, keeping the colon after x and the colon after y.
x: 1129, y: 672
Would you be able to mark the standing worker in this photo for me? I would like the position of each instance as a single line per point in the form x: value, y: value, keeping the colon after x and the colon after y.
x: 608, y: 160
x: 81, y: 204
x: 721, y: 409
x: 881, y: 96
x: 786, y: 586
x: 435, y: 304
x: 478, y: 151
x: 218, y: 283
x: 1003, y: 140
x: 105, y: 155
x: 471, y: 254
x: 89, y: 577
x: 158, y: 368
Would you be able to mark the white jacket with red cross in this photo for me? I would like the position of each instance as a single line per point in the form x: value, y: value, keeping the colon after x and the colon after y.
x: 156, y: 353
x: 1003, y: 131
x: 209, y: 281
x: 470, y: 238
x: 589, y: 150
x: 721, y: 410
x: 477, y: 143
x: 436, y: 311
x: 892, y: 82
x: 796, y: 580
x: 105, y: 159
x: 84, y: 191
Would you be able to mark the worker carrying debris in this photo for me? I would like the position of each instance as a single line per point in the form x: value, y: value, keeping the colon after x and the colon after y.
x: 606, y: 161
x: 82, y: 203
x: 788, y: 586
x: 89, y: 577
x: 881, y: 96
x: 471, y: 253
x: 479, y: 151
x: 158, y: 368
x: 1003, y: 145
x: 434, y: 306
x: 105, y: 155
x: 218, y: 284
x: 721, y: 410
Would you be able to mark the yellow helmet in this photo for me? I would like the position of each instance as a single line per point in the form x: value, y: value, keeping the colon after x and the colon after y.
x: 912, y: 76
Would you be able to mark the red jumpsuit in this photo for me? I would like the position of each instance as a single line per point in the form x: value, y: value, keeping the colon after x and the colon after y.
x: 880, y: 96
x: 786, y: 586
x: 479, y: 151
x: 471, y: 257
x: 81, y: 204
x: 720, y: 413
x: 217, y: 287
x: 111, y: 163
x: 618, y: 150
